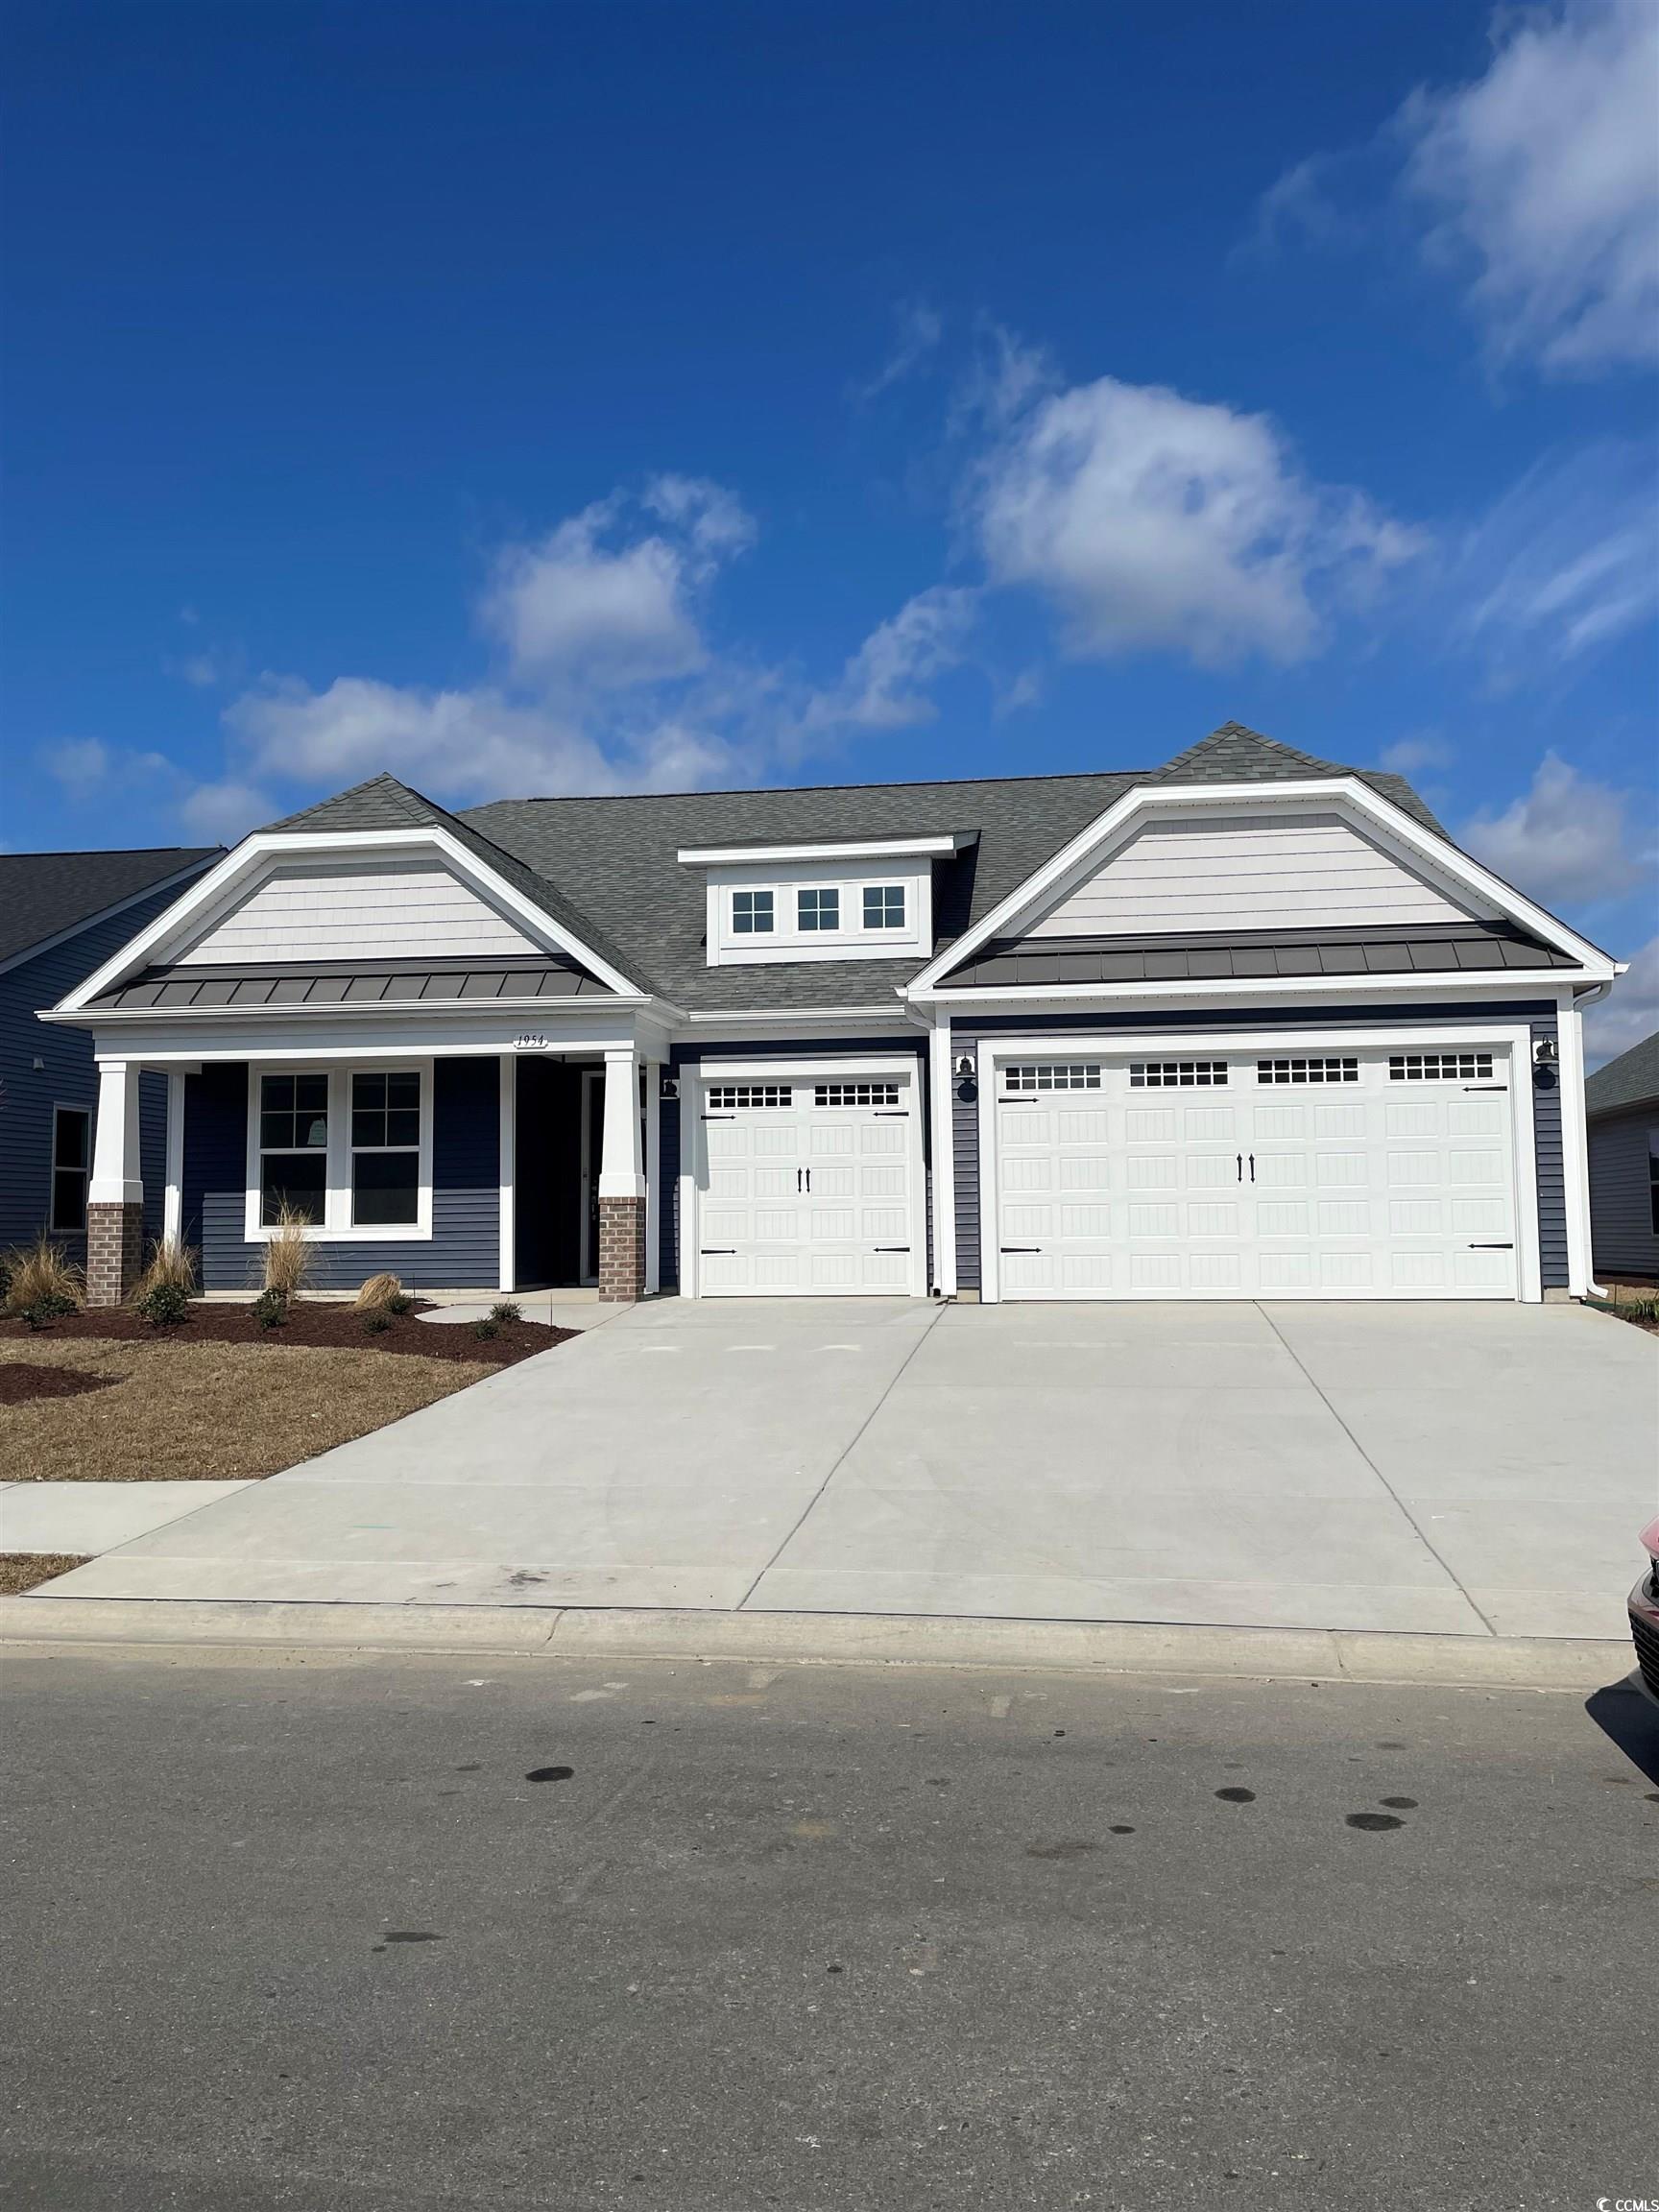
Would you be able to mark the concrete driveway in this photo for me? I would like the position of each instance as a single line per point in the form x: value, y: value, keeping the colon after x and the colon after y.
x: 1465, y: 1470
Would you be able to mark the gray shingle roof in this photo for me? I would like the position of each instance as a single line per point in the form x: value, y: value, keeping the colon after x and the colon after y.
x: 607, y: 868
x: 44, y: 894
x: 1630, y: 1080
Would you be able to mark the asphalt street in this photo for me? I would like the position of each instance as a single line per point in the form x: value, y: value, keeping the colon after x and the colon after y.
x: 329, y: 1931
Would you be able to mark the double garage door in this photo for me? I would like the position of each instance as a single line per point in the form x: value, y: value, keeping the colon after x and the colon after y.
x: 1371, y: 1173
x: 809, y: 1187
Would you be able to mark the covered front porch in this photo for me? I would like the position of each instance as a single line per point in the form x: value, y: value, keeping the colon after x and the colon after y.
x: 531, y: 1166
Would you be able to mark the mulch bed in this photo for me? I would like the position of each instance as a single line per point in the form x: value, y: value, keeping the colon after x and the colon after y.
x: 21, y: 1571
x: 21, y: 1380
x: 332, y: 1327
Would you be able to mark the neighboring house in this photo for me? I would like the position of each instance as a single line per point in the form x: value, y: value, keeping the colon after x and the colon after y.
x: 61, y: 916
x: 1622, y: 1102
x: 1247, y: 1024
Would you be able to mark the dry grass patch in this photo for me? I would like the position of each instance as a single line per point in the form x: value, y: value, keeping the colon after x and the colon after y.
x: 207, y: 1413
x: 21, y: 1571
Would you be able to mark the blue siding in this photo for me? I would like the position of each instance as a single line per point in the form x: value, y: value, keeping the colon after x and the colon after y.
x: 966, y: 1035
x: 463, y: 1250
x: 69, y: 1077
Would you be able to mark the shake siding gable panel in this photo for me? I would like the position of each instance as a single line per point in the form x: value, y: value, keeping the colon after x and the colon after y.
x: 463, y: 1251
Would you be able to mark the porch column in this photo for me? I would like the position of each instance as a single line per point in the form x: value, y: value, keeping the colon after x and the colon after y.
x: 621, y: 1181
x: 115, y: 1198
x: 508, y: 1180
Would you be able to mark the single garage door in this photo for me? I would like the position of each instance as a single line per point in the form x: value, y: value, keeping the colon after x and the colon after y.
x: 808, y: 1187
x: 1273, y: 1173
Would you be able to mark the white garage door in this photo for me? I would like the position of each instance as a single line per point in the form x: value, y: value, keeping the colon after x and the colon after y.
x: 808, y: 1187
x: 1276, y: 1174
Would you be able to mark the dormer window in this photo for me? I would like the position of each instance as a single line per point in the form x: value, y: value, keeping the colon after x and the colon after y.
x: 884, y: 906
x: 751, y: 913
x: 818, y: 909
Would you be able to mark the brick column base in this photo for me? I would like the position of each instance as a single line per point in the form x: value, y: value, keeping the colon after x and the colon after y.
x: 621, y: 1249
x: 114, y: 1251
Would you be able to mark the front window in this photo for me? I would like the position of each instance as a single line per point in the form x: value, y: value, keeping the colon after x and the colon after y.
x: 818, y: 910
x: 385, y: 1149
x: 71, y: 1163
x: 293, y: 1147
x: 884, y: 906
x: 751, y: 913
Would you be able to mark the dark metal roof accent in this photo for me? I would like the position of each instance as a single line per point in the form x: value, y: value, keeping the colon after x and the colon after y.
x: 396, y: 983
x: 43, y: 895
x: 1018, y: 963
x: 1631, y: 1080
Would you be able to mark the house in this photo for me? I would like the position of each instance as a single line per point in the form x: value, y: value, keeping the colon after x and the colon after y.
x: 1622, y: 1104
x: 1246, y: 1025
x: 61, y: 916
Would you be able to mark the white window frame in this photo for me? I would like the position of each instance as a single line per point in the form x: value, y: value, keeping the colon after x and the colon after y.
x: 888, y: 931
x: 1515, y: 1040
x: 753, y: 891
x: 817, y: 894
x: 725, y: 946
x: 337, y: 1226
x: 89, y: 1116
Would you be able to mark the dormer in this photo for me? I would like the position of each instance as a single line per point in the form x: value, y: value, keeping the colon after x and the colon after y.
x: 863, y: 898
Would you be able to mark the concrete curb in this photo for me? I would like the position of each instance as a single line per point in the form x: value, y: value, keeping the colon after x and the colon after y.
x: 1124, y: 1648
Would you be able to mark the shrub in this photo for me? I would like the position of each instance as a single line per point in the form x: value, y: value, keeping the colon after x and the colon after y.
x: 377, y: 1320
x: 505, y: 1309
x: 172, y: 1266
x: 270, y: 1309
x: 164, y: 1305
x: 47, y: 1309
x: 378, y: 1292
x: 5, y: 1281
x: 41, y: 1272
x: 487, y: 1328
x: 403, y: 1303
x: 289, y: 1251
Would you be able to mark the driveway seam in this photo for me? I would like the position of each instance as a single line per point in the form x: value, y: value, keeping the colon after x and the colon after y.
x: 1405, y: 1512
x: 800, y: 1519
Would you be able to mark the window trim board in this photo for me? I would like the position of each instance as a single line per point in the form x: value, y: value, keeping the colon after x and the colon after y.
x: 337, y: 1226
x: 88, y: 1113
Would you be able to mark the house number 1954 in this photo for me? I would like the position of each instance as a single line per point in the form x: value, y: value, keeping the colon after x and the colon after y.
x: 532, y: 1041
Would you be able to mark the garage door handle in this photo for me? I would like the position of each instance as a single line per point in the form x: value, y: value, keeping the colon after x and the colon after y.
x: 718, y: 1251
x: 1252, y: 1167
x: 1240, y: 1157
x: 1023, y: 1248
x: 1491, y: 1247
x: 719, y: 1117
x: 890, y: 1247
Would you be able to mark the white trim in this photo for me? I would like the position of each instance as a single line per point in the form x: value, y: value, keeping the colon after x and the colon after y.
x: 588, y: 1234
x: 653, y: 1177
x: 173, y: 1195
x: 1428, y: 852
x: 337, y: 1226
x: 800, y: 1017
x: 1515, y: 1037
x: 256, y: 855
x: 695, y: 1079
x: 62, y: 936
x: 507, y: 1222
x: 621, y: 1158
x: 851, y: 849
x: 117, y: 1176
x: 479, y: 1034
x: 1445, y: 982
x: 941, y: 1094
x: 1574, y: 1144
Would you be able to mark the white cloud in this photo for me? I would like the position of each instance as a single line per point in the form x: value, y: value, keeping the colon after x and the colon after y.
x: 1630, y: 1014
x: 78, y: 763
x: 1546, y: 171
x: 596, y: 603
x: 917, y: 331
x: 1566, y: 840
x: 1565, y: 562
x: 1411, y: 755
x: 87, y: 768
x: 882, y: 685
x: 1156, y: 521
x: 222, y: 813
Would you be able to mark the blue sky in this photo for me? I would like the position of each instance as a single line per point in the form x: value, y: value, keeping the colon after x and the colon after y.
x: 541, y: 398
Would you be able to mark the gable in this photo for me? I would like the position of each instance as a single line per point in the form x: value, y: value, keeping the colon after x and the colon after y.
x: 407, y: 906
x: 1269, y: 871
